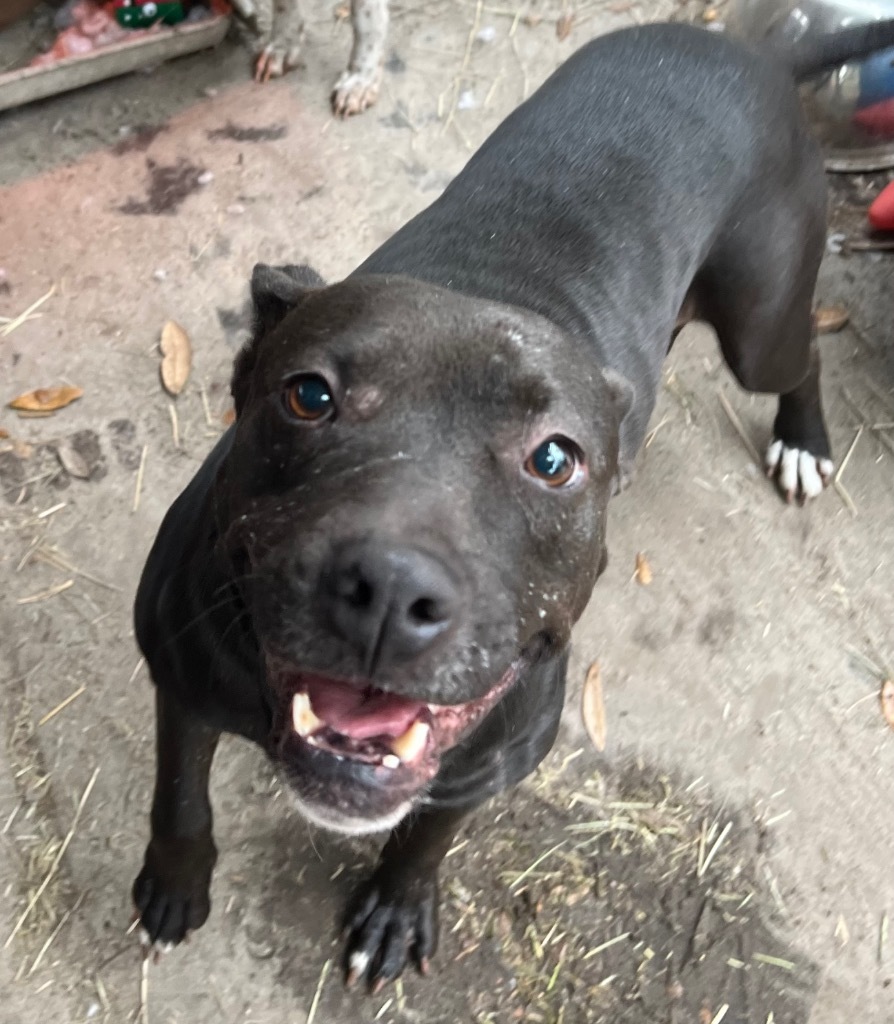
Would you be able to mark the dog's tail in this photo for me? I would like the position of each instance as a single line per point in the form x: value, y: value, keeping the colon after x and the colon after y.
x: 813, y: 56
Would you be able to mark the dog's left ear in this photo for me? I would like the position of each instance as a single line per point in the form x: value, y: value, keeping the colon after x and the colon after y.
x: 274, y: 292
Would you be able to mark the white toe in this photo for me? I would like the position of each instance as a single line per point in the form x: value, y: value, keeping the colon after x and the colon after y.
x: 774, y: 453
x: 358, y: 962
x: 788, y: 474
x: 811, y: 481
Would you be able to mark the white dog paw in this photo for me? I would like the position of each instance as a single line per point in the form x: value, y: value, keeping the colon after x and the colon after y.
x: 800, y: 474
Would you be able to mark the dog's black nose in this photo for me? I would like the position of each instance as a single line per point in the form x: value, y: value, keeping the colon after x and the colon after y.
x: 389, y: 602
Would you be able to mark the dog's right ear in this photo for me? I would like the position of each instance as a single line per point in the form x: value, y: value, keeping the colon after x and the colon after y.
x: 274, y: 292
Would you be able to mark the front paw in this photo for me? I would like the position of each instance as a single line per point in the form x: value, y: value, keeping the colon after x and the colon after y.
x: 799, y: 473
x: 355, y: 91
x: 392, y: 918
x: 171, y: 893
x: 276, y: 59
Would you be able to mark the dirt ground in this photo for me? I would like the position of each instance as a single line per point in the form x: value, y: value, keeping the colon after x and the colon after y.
x: 726, y: 858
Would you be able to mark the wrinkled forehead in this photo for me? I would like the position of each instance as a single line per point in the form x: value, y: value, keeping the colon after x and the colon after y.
x: 432, y: 346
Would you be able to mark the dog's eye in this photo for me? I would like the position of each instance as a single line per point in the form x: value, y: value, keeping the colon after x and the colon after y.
x: 309, y: 397
x: 557, y: 461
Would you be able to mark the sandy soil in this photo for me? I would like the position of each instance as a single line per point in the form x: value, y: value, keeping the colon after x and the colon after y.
x: 730, y: 848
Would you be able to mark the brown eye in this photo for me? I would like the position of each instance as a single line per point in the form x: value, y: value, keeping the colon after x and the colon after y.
x: 556, y: 461
x: 309, y: 397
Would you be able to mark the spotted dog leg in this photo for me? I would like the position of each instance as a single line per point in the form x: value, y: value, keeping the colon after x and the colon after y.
x: 358, y: 87
x: 280, y: 32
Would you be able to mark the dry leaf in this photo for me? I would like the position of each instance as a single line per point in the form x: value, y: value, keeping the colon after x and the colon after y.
x: 593, y: 708
x: 830, y: 319
x: 887, y: 700
x: 710, y: 14
x: 4, y: 434
x: 643, y: 570
x: 229, y: 417
x: 46, y: 400
x: 564, y: 25
x: 176, y: 358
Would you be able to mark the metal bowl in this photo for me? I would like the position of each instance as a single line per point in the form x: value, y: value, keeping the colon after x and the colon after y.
x: 850, y: 108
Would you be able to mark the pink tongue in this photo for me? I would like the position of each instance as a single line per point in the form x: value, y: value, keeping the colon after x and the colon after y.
x: 352, y: 713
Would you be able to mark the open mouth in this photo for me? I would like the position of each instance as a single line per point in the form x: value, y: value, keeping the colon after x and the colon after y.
x: 367, y: 725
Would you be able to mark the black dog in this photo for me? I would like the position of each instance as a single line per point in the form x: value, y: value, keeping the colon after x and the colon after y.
x: 376, y: 572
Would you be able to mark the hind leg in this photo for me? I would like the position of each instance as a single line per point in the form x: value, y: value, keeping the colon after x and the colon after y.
x: 757, y: 292
x: 800, y: 456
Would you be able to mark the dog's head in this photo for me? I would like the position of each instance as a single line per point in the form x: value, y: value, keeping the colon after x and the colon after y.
x: 414, y: 505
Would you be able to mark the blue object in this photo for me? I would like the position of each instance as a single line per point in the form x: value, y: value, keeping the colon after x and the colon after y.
x: 876, y: 79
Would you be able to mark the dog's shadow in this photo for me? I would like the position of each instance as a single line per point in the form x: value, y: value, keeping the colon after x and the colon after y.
x: 615, y: 908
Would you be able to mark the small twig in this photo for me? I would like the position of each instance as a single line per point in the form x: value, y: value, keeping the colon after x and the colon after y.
x: 54, y: 558
x: 773, y: 961
x: 312, y: 1012
x: 869, y: 245
x: 144, y: 991
x: 55, y: 932
x: 56, y: 860
x: 845, y: 497
x: 22, y: 317
x: 850, y: 452
x: 605, y: 945
x: 139, y: 483
x: 536, y: 864
x: 739, y: 429
x: 467, y: 56
x: 62, y: 706
x: 204, y: 393
x: 650, y: 437
x: 882, y: 937
x: 175, y: 424
x: 52, y: 510
x: 492, y: 90
x: 706, y: 862
x: 45, y: 595
x: 526, y: 85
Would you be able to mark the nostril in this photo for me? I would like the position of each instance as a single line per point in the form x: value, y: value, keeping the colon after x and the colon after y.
x: 425, y: 611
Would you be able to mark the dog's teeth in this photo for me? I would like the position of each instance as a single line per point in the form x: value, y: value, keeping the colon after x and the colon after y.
x: 391, y: 761
x: 411, y: 744
x: 303, y: 718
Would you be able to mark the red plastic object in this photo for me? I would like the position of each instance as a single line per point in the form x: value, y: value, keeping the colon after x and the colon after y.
x: 881, y: 213
x: 877, y: 118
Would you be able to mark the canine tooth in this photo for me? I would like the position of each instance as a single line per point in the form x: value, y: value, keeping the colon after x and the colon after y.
x: 391, y: 761
x: 411, y: 744
x: 303, y: 718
